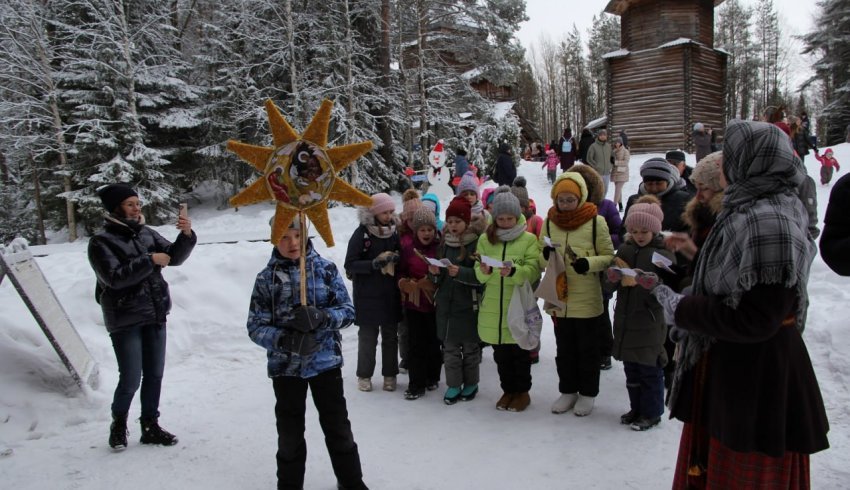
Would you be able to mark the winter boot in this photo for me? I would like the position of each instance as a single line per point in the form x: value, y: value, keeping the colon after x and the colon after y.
x: 468, y: 393
x: 364, y: 384
x: 584, y: 405
x: 520, y: 402
x: 644, y: 423
x: 389, y: 383
x: 504, y: 401
x: 629, y: 417
x: 414, y: 393
x: 118, y: 432
x: 564, y: 402
x: 605, y: 363
x: 152, y: 433
x: 452, y: 395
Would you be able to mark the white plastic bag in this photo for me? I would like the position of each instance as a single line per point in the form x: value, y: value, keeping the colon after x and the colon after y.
x: 524, y: 319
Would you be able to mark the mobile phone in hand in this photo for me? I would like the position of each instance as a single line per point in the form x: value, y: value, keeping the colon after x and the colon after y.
x: 184, y: 209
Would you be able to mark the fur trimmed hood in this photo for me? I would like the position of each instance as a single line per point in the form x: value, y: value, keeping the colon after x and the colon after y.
x: 700, y: 217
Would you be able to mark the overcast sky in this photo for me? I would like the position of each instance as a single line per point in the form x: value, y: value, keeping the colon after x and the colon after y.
x: 554, y: 18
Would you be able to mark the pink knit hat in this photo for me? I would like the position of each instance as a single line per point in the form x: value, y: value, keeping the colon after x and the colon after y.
x: 645, y: 216
x: 381, y: 202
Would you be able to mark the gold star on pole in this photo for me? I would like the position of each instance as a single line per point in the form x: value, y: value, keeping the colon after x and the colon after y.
x: 300, y: 172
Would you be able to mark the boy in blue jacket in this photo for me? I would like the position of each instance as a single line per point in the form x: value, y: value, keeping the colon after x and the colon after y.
x: 303, y: 344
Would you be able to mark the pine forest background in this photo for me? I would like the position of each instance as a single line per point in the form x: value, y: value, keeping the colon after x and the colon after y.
x: 149, y: 91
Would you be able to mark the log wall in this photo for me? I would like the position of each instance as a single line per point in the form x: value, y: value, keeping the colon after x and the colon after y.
x: 648, y: 24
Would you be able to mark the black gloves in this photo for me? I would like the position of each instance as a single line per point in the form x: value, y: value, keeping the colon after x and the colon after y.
x: 547, y: 251
x: 306, y: 319
x: 581, y: 265
x: 298, y: 335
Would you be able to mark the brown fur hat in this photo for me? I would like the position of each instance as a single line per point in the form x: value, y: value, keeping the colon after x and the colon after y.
x: 592, y: 180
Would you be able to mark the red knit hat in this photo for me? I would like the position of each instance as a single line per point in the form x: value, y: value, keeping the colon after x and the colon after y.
x: 459, y: 208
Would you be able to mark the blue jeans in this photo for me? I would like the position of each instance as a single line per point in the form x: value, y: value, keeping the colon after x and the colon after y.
x: 646, y: 388
x: 140, y: 352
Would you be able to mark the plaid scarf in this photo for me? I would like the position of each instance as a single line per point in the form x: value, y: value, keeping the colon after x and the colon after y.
x: 760, y: 236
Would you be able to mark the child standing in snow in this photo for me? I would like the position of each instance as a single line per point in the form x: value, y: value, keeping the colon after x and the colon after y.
x: 551, y: 165
x: 457, y: 298
x: 582, y: 236
x: 639, y: 329
x: 303, y: 352
x: 373, y: 251
x: 506, y: 240
x: 424, y: 359
x: 828, y: 164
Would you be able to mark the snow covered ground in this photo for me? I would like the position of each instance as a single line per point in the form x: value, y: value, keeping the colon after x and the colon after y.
x: 218, y: 400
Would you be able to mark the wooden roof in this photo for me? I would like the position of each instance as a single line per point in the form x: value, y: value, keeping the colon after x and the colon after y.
x: 619, y: 7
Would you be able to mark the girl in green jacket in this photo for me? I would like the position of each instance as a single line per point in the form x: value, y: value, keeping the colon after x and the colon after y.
x: 506, y: 241
x: 457, y: 298
x: 582, y: 237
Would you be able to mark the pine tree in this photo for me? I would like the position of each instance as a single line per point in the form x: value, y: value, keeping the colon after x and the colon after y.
x: 830, y: 43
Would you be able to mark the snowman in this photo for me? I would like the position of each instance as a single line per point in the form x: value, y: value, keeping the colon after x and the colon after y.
x: 439, y: 176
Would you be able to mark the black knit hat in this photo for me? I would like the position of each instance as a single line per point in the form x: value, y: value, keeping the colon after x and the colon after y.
x: 114, y: 194
x: 676, y: 155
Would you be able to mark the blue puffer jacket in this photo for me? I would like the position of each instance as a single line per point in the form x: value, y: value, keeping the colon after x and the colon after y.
x: 276, y: 293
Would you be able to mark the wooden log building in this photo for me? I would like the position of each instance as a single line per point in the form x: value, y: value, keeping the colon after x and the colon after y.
x: 667, y: 74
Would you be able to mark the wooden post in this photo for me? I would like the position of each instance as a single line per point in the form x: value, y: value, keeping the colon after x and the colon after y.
x: 302, y: 262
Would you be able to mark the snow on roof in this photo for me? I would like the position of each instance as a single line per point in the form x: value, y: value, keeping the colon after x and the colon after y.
x: 616, y: 54
x: 501, y: 109
x: 600, y: 121
x: 465, y: 115
x: 473, y: 73
x: 677, y: 42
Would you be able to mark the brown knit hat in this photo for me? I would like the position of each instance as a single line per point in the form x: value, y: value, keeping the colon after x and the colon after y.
x: 423, y: 217
x: 410, y: 203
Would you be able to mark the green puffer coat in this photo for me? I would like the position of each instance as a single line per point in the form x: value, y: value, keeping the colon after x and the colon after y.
x: 493, y: 316
x: 584, y: 291
x: 458, y: 297
x: 639, y: 329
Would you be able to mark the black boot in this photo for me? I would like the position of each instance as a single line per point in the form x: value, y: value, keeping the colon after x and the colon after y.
x: 152, y: 433
x: 118, y: 432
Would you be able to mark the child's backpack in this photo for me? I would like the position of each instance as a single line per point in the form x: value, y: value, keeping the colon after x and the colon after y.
x: 567, y: 146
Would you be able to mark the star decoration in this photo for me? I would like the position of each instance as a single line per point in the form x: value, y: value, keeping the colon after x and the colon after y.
x: 300, y: 172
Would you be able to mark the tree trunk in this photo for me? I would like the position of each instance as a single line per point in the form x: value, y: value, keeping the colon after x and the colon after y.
x: 384, y: 82
x: 39, y: 206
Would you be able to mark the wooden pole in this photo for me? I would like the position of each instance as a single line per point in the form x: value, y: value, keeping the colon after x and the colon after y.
x: 302, y: 263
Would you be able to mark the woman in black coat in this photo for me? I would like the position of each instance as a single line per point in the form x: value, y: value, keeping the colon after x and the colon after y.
x: 835, y: 241
x: 505, y: 171
x: 128, y: 258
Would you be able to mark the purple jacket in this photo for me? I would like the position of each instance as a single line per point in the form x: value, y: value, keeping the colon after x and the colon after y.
x: 608, y: 210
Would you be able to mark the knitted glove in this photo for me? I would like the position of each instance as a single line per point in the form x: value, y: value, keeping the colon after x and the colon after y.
x: 306, y: 319
x: 669, y: 300
x: 382, y: 259
x: 295, y: 342
x: 613, y: 275
x: 677, y: 334
x: 647, y: 280
x: 547, y: 251
x: 581, y: 265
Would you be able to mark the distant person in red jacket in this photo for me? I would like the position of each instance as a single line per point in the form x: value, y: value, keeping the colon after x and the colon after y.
x: 828, y: 165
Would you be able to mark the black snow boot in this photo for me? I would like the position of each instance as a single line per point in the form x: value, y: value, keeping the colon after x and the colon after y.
x: 152, y: 433
x: 118, y: 432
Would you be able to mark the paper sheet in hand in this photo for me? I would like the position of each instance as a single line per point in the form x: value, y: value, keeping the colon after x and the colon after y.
x: 438, y: 263
x: 497, y: 264
x: 626, y: 271
x: 662, y: 261
x: 548, y: 242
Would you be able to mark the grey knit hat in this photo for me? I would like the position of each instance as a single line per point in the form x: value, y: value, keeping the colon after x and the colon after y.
x: 504, y: 202
x: 659, y: 169
x: 519, y: 190
x: 468, y: 182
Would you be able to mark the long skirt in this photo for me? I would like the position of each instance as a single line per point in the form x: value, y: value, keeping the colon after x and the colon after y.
x: 726, y: 468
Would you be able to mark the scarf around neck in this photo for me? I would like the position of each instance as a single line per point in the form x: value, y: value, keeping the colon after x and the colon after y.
x: 570, y: 220
x: 759, y: 238
x: 510, y: 234
x: 381, y: 231
x: 459, y: 241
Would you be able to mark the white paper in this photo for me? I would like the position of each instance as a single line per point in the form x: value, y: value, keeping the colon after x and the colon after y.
x: 497, y: 264
x: 662, y: 261
x: 439, y: 263
x: 626, y: 271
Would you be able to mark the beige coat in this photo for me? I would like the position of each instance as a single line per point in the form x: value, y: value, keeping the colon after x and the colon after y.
x: 621, y: 165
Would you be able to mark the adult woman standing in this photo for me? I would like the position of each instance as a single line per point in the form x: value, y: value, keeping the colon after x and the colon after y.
x: 620, y: 173
x: 743, y: 324
x: 128, y: 258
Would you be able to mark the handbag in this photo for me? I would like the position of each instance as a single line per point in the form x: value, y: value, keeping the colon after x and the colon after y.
x: 553, y: 287
x: 524, y: 319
